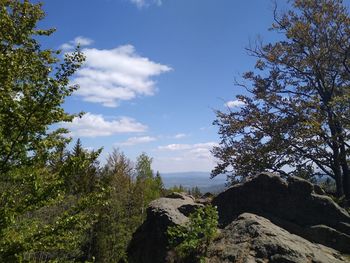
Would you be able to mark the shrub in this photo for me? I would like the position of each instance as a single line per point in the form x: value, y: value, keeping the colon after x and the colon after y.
x: 190, y: 242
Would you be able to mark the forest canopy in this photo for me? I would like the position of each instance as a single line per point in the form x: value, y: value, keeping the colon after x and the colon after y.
x: 56, y: 203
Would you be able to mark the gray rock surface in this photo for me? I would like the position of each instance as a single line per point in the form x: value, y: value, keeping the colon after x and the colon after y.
x: 292, y: 204
x: 251, y: 238
x: 264, y: 220
x: 149, y: 243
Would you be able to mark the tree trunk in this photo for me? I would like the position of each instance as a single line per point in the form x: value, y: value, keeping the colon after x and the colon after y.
x: 346, y: 173
x: 343, y: 161
x: 339, y: 186
x: 338, y: 181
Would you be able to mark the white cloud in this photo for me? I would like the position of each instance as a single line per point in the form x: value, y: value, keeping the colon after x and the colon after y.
x: 137, y: 140
x: 79, y: 40
x: 94, y: 125
x: 198, y: 150
x: 144, y: 3
x: 180, y: 136
x: 82, y: 41
x: 234, y: 103
x: 112, y: 75
x: 185, y: 157
x: 176, y: 147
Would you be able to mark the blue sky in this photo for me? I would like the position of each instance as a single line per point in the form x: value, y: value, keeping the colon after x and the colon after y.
x: 156, y: 70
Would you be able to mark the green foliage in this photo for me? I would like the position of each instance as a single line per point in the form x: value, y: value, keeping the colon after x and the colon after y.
x: 129, y: 190
x: 295, y: 118
x: 178, y: 189
x: 118, y: 217
x: 195, y: 192
x: 148, y: 186
x: 33, y: 86
x: 79, y: 169
x: 191, y: 241
x: 41, y: 219
x: 57, y: 205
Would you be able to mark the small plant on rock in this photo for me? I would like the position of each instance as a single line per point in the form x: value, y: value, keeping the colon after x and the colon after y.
x: 190, y: 242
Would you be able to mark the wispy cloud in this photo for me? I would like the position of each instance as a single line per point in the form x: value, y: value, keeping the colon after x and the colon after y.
x: 113, y: 75
x: 79, y: 40
x: 144, y: 3
x: 186, y: 157
x: 198, y: 150
x: 234, y: 103
x: 137, y: 140
x: 175, y: 147
x: 95, y: 125
x: 180, y: 136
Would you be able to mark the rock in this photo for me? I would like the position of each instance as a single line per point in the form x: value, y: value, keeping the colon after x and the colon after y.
x: 327, y: 235
x: 207, y: 195
x: 251, y: 238
x: 318, y: 190
x: 176, y: 195
x: 149, y: 243
x: 292, y: 202
x: 205, y: 199
x: 264, y: 220
x: 188, y: 209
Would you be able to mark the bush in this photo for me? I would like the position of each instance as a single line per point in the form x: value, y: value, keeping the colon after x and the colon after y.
x: 190, y: 242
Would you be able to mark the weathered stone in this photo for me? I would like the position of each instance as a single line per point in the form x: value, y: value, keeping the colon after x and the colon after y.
x: 251, y: 238
x: 327, y: 235
x: 283, y: 217
x: 176, y: 195
x: 318, y: 190
x: 293, y: 202
x: 149, y: 243
x: 205, y: 199
x: 188, y: 209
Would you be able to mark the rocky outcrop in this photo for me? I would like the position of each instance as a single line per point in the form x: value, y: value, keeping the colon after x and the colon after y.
x: 264, y: 220
x: 149, y: 243
x: 251, y: 238
x: 296, y: 205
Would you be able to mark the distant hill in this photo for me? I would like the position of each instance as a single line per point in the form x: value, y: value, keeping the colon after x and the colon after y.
x: 192, y: 179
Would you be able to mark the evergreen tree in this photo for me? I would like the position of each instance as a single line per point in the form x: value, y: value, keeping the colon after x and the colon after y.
x: 119, y: 216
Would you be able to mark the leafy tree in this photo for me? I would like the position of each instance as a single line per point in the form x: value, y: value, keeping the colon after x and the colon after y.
x: 33, y: 86
x: 191, y: 241
x: 148, y: 186
x: 295, y: 119
x: 37, y: 219
x: 119, y: 216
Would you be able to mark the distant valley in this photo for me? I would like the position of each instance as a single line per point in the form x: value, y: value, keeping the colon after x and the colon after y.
x: 192, y: 179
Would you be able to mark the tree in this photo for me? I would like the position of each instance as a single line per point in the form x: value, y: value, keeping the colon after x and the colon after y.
x: 80, y: 170
x: 147, y: 185
x: 178, y: 189
x: 116, y: 220
x: 296, y: 118
x: 195, y: 191
x: 34, y: 83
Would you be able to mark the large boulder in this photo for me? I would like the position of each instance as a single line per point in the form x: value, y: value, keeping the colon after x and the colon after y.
x: 251, y: 238
x: 149, y: 243
x: 296, y: 205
